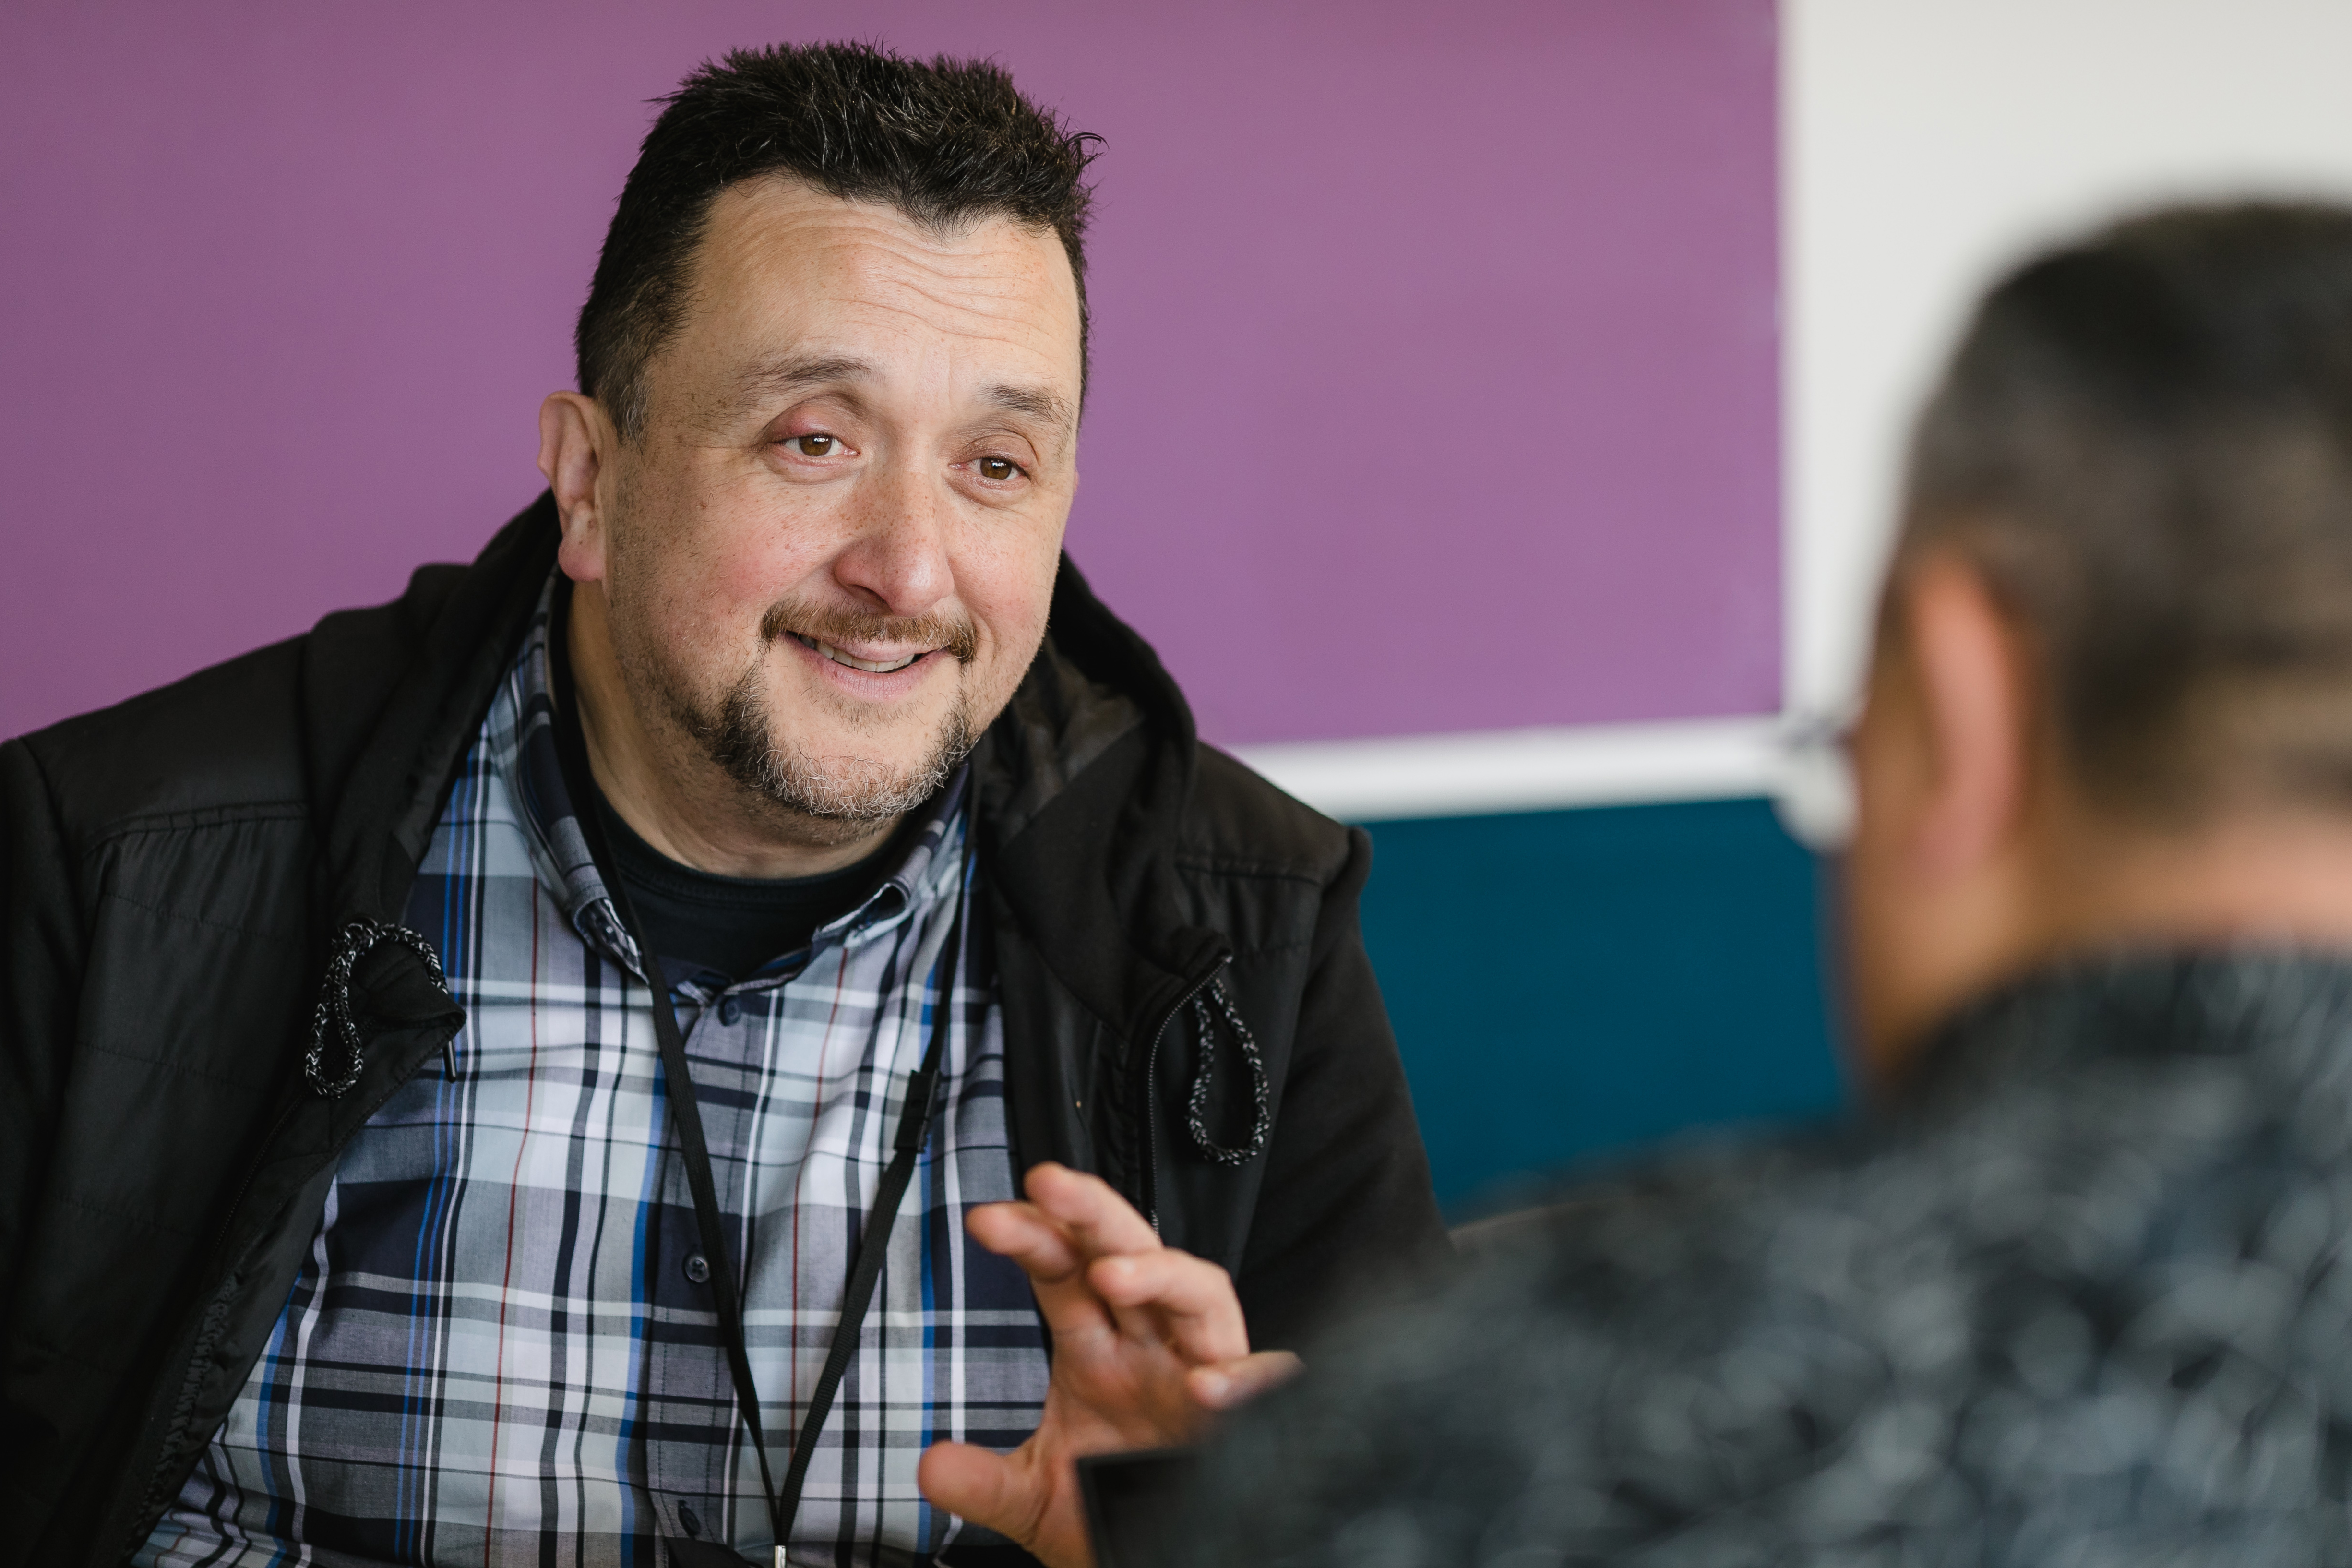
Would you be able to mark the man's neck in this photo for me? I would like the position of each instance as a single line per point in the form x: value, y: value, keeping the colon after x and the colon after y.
x: 671, y: 795
x: 2086, y: 883
x: 2273, y: 877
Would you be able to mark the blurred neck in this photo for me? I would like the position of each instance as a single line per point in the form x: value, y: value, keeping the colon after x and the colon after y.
x: 2081, y: 882
x: 2271, y: 876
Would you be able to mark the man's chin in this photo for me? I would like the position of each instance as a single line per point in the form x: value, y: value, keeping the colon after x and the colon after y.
x: 794, y: 822
x: 845, y: 784
x: 858, y: 796
x: 825, y: 772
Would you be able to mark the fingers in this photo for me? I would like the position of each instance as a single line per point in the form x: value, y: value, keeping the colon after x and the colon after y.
x: 983, y: 1486
x: 1100, y: 1221
x: 1055, y: 1267
x: 1236, y: 1382
x: 1023, y: 1232
x: 1192, y: 1297
x: 1071, y: 1218
x: 1100, y: 1224
x: 1094, y: 1264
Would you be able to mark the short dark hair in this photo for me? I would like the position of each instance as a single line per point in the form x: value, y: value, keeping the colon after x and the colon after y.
x: 2145, y: 441
x: 945, y: 142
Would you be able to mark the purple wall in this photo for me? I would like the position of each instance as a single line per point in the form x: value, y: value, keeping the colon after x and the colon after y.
x: 1435, y: 357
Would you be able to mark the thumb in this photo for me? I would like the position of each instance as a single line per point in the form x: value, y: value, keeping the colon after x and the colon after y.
x: 980, y: 1485
x: 1227, y: 1384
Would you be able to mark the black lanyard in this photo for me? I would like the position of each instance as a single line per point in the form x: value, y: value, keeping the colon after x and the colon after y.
x: 874, y: 1241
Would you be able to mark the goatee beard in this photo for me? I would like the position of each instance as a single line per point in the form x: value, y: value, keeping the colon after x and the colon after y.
x: 842, y: 798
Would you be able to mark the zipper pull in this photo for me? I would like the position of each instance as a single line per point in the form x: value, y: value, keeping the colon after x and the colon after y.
x: 449, y: 1058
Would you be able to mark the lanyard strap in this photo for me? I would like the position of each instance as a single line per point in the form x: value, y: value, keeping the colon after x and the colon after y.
x: 873, y: 1245
x: 874, y: 1240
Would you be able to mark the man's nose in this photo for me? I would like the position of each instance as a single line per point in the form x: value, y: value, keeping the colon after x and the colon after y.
x: 896, y: 559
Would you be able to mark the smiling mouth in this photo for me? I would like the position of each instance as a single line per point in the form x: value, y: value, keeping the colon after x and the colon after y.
x: 852, y: 661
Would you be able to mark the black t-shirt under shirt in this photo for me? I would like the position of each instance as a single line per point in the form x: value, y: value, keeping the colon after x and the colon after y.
x: 697, y: 922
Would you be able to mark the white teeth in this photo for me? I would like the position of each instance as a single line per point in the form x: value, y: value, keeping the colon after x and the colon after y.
x: 869, y: 666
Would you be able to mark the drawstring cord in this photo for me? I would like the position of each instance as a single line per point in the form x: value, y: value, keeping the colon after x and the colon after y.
x: 355, y: 941
x: 334, y: 1017
x: 1261, y: 1091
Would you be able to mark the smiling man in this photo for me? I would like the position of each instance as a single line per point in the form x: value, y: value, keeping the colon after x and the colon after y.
x: 542, y: 1071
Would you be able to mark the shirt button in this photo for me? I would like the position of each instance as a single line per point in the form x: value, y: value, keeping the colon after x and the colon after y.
x: 731, y: 1012
x: 697, y: 1268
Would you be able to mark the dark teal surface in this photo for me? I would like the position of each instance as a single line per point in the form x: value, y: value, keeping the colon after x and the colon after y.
x: 1570, y: 983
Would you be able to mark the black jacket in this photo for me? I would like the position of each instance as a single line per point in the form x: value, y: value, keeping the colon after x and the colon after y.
x: 172, y: 870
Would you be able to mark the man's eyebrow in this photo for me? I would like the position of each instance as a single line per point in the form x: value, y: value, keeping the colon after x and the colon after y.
x: 787, y: 373
x: 1038, y: 403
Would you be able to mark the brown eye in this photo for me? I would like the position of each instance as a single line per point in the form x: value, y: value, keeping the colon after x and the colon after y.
x: 998, y: 468
x: 817, y: 446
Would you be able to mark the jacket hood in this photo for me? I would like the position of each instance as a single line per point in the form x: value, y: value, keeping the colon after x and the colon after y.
x: 1093, y: 683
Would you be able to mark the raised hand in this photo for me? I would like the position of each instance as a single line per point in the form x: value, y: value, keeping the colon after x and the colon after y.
x: 1148, y: 1343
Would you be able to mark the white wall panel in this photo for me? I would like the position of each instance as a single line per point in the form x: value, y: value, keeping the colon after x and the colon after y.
x: 1926, y: 144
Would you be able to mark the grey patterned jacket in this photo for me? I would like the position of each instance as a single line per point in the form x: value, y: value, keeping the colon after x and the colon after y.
x: 2084, y: 1300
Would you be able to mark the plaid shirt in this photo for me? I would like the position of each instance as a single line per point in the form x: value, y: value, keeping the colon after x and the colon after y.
x: 494, y: 1352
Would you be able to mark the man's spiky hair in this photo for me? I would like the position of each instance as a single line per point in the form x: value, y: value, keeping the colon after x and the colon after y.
x: 945, y: 142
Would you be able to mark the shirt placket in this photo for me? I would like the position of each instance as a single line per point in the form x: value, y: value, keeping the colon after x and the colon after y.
x: 696, y: 1453
x: 688, y: 1395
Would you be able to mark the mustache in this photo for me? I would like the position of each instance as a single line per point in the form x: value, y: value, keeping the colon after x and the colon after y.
x: 954, y: 635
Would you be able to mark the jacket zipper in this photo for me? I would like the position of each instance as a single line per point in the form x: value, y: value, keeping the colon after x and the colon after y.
x: 1151, y: 1090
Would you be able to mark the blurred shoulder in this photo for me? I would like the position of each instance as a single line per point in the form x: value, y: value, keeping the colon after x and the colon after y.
x: 1597, y: 1374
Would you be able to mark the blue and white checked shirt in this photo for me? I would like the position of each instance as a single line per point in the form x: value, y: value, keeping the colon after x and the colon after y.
x: 494, y: 1353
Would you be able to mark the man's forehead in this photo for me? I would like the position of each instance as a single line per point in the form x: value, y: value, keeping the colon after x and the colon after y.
x: 783, y: 267
x: 774, y: 228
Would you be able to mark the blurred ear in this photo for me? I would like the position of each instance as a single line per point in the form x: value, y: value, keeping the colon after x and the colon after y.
x: 575, y: 445
x: 1976, y: 711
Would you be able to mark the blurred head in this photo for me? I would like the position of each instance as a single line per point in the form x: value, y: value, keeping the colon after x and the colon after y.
x: 2111, y: 699
x: 815, y: 481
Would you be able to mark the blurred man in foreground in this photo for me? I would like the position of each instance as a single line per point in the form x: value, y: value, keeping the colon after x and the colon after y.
x: 2081, y: 1295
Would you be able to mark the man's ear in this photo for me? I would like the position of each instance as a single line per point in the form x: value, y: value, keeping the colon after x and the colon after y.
x: 1978, y: 712
x: 576, y: 442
